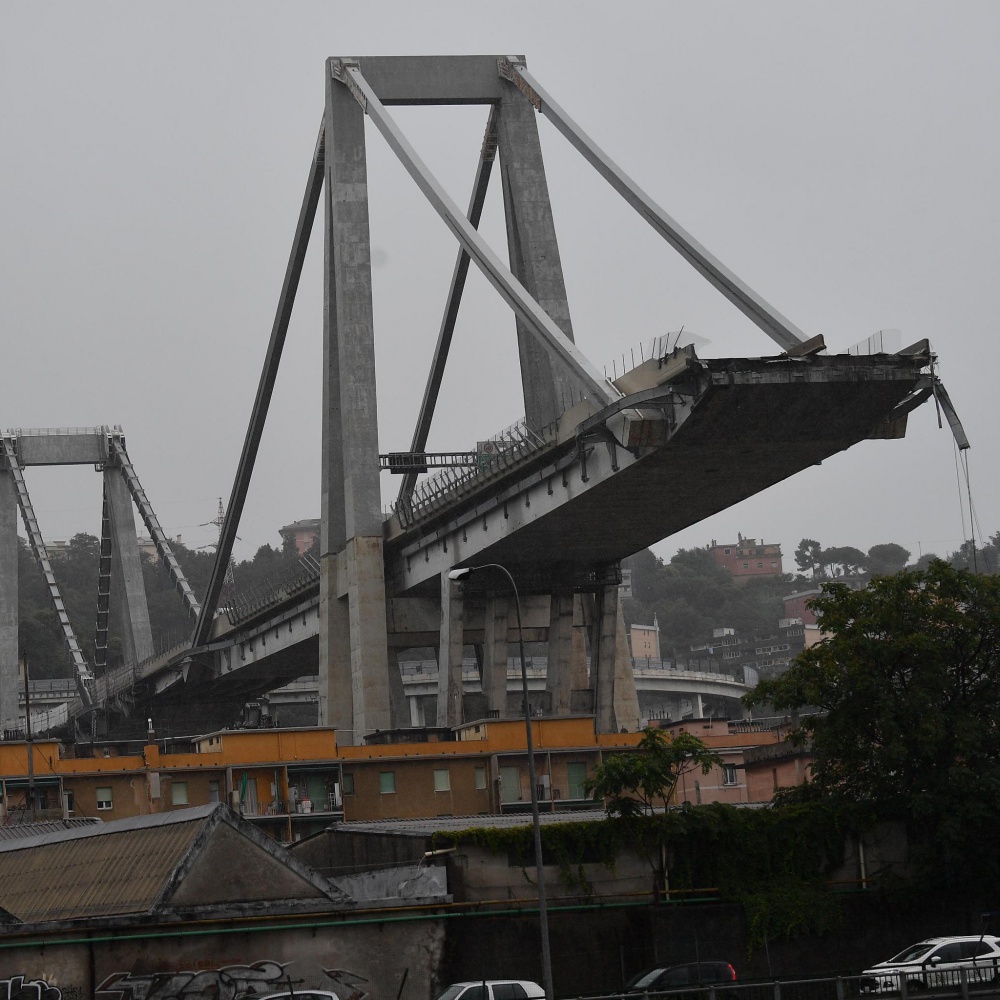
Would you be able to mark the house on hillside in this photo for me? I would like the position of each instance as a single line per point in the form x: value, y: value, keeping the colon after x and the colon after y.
x: 747, y: 559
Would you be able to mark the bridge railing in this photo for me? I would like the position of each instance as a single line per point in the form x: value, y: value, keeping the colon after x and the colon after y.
x: 245, y: 604
x: 515, y: 444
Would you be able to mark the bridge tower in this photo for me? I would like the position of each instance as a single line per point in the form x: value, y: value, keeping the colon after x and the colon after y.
x: 121, y: 597
x: 359, y: 689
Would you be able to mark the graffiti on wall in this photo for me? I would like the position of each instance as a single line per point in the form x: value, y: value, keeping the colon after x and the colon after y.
x: 19, y: 988
x: 233, y: 982
x: 349, y: 985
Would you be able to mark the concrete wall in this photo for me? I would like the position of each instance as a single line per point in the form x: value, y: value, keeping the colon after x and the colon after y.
x: 356, y: 962
x: 593, y: 950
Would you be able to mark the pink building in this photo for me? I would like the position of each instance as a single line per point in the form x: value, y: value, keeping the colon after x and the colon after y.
x: 746, y: 558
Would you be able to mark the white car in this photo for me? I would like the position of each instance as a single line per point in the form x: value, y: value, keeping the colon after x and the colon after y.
x: 494, y: 989
x: 937, y: 962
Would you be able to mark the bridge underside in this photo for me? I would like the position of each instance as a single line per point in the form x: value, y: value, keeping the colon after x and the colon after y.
x: 739, y: 441
x: 736, y: 428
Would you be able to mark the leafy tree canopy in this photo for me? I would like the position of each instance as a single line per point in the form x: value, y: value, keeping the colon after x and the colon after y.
x: 637, y: 782
x: 887, y: 558
x: 908, y: 684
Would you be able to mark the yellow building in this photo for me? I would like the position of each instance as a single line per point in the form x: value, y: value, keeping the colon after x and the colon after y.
x: 292, y: 783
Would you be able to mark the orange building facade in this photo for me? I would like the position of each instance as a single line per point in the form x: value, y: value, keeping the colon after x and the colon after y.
x: 292, y: 783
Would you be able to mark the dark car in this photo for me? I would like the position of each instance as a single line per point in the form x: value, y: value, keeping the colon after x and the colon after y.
x: 677, y: 977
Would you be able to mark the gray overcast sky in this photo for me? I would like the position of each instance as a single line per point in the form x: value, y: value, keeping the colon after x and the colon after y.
x: 841, y: 158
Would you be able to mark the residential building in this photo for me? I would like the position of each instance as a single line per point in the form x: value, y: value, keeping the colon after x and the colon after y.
x: 747, y: 558
x: 644, y: 641
x: 300, y: 534
x: 797, y: 605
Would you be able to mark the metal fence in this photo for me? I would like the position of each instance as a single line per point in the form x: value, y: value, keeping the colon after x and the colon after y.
x: 973, y: 981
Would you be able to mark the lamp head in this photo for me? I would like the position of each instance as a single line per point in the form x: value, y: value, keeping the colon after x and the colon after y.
x: 459, y: 574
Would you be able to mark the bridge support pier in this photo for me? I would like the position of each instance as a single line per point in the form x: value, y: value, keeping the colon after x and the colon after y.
x: 616, y: 703
x: 450, y: 648
x: 128, y: 592
x: 559, y: 675
x: 495, y: 655
x: 9, y: 674
x: 354, y: 662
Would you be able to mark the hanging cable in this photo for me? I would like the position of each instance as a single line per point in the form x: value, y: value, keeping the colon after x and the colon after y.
x: 973, y: 519
x: 961, y: 502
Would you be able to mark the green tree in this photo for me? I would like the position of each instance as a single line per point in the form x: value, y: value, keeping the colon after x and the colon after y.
x: 636, y: 783
x: 908, y: 688
x: 887, y: 558
x: 808, y: 557
x: 843, y: 560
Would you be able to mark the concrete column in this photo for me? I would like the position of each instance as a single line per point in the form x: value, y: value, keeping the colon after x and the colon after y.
x: 559, y: 673
x: 336, y: 698
x: 699, y: 708
x: 616, y: 704
x: 351, y: 499
x: 549, y: 387
x: 399, y: 710
x: 130, y: 612
x: 369, y: 640
x: 416, y: 716
x: 9, y: 676
x: 626, y: 698
x: 449, y: 706
x: 495, y: 654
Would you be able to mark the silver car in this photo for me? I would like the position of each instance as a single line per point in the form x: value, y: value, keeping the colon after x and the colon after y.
x: 940, y: 961
x: 494, y: 989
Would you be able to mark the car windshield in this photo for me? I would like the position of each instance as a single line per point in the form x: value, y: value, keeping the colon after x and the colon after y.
x: 646, y: 979
x: 914, y: 953
x: 452, y: 992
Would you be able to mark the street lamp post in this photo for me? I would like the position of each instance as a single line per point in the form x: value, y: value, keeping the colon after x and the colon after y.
x: 536, y: 826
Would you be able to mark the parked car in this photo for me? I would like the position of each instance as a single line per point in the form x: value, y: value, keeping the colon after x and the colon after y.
x: 494, y: 989
x: 301, y: 995
x: 936, y: 962
x: 676, y: 977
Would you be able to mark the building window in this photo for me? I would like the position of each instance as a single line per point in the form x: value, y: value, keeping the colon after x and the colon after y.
x: 746, y: 565
x: 179, y: 793
x: 442, y: 780
x: 348, y: 783
x: 387, y: 782
x: 104, y: 800
x: 729, y: 774
x: 68, y: 799
x: 728, y: 551
x: 213, y: 791
x: 480, y: 777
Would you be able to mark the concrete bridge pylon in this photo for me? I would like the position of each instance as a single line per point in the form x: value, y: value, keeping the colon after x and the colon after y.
x: 356, y: 682
x: 121, y: 598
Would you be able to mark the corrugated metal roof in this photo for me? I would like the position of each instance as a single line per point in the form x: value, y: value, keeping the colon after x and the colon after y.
x: 115, y: 868
x: 433, y: 824
x: 22, y: 831
x: 88, y: 829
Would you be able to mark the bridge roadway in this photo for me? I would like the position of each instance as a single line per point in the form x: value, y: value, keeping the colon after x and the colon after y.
x: 690, y: 437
